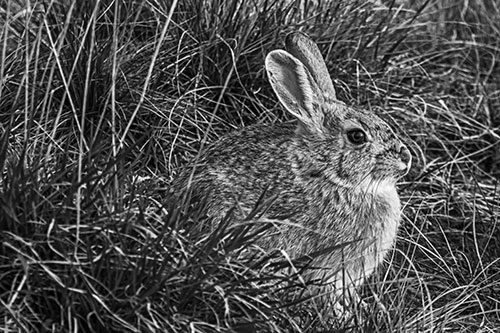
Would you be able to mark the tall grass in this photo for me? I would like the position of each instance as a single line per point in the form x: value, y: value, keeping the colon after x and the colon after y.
x: 101, y: 102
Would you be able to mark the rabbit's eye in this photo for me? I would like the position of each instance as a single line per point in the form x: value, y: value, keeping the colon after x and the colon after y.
x: 356, y: 136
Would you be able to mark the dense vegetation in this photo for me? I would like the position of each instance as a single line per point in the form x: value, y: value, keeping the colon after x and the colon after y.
x: 101, y: 103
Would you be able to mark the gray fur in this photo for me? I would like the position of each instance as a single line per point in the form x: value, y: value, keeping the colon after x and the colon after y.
x: 329, y: 191
x: 304, y: 49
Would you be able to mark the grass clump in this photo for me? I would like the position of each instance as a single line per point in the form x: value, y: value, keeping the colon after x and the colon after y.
x: 102, y: 101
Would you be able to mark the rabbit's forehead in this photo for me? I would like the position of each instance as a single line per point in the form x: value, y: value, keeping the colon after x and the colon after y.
x: 367, y: 120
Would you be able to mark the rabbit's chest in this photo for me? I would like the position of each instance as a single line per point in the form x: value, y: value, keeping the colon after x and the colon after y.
x: 376, y: 228
x: 370, y: 218
x: 387, y: 214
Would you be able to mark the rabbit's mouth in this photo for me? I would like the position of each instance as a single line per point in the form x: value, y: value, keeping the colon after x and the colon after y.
x: 403, y: 168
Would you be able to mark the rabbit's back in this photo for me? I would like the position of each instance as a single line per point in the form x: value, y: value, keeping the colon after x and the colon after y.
x: 240, y: 167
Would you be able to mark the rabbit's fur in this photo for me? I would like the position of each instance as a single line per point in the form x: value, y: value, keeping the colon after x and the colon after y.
x: 330, y: 190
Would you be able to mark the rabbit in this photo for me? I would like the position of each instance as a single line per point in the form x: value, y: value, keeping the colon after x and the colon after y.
x: 332, y: 172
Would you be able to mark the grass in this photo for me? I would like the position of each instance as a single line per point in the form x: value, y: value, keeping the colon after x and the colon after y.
x: 101, y: 103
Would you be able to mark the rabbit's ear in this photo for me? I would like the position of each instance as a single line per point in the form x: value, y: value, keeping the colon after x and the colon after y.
x: 295, y: 88
x: 304, y: 49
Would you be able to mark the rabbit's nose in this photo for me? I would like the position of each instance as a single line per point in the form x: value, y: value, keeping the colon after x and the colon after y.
x: 404, y: 154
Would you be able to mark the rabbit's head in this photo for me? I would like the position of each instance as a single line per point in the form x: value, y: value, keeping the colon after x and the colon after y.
x: 350, y: 147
